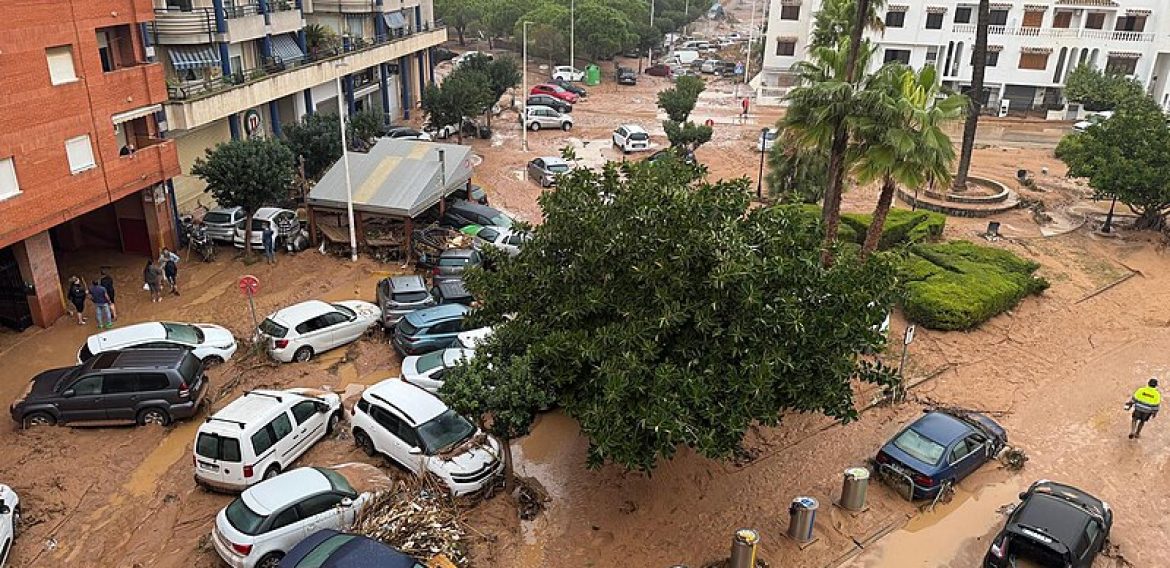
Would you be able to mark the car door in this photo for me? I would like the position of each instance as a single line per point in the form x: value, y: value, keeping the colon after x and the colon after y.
x: 121, y: 395
x: 285, y: 438
x: 311, y: 332
x: 310, y: 425
x: 321, y: 512
x: 83, y: 400
x: 398, y: 449
x: 966, y: 456
x: 619, y: 136
x: 536, y: 169
x: 286, y: 530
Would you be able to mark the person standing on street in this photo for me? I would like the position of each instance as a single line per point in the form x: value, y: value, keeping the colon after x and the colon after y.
x: 107, y: 282
x: 77, y: 298
x: 268, y: 239
x: 101, y: 305
x: 170, y: 267
x: 152, y: 276
x: 1145, y: 403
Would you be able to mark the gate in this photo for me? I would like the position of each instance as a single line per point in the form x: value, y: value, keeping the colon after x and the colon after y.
x: 14, y: 310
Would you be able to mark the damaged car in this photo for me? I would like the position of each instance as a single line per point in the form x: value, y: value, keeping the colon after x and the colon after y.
x: 938, y: 450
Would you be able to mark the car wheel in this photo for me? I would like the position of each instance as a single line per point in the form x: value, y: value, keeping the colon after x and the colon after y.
x: 38, y: 419
x: 534, y: 126
x: 272, y: 471
x: 212, y: 360
x: 153, y: 417
x: 334, y: 420
x: 303, y: 354
x: 566, y: 126
x: 16, y: 522
x: 270, y: 560
x: 364, y: 443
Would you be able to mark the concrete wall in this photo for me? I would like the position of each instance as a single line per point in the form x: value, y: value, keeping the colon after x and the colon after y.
x: 191, y: 145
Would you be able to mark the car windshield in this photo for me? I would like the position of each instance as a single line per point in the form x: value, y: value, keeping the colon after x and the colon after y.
x: 920, y: 447
x: 348, y: 313
x: 477, y: 192
x: 183, y: 333
x: 445, y: 431
x: 337, y: 480
x: 272, y: 329
x: 639, y: 136
x: 409, y: 297
x: 218, y: 218
x: 487, y: 234
x: 429, y: 361
x: 453, y: 261
x: 1026, y: 553
x: 406, y: 328
x: 244, y: 519
x: 557, y: 168
x: 502, y: 220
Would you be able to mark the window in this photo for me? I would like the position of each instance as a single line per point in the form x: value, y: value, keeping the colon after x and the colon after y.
x: 281, y: 427
x: 261, y: 441
x: 90, y: 385
x: 960, y: 450
x: 319, y: 504
x: 962, y: 15
x: 334, y: 318
x: 895, y: 19
x: 60, y: 64
x: 1062, y: 20
x: 1033, y: 18
x: 998, y: 18
x: 790, y: 12
x: 311, y: 325
x: 899, y: 55
x: 118, y: 384
x: 992, y: 58
x: 1095, y: 21
x: 152, y: 382
x: 934, y: 21
x: 1121, y: 65
x: 786, y: 48
x: 1034, y: 61
x: 385, y: 419
x: 9, y: 185
x: 364, y: 406
x: 303, y: 411
x: 80, y: 154
x: 285, y: 518
x: 216, y: 447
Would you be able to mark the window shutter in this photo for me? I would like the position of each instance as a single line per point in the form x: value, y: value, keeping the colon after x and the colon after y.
x: 80, y: 153
x: 9, y: 186
x: 60, y: 64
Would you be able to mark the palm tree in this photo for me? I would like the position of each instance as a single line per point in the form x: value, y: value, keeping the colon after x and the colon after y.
x: 979, y: 67
x: 900, y: 140
x: 835, y: 20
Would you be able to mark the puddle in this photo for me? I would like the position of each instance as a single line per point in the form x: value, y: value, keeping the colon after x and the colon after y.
x: 946, y: 536
x: 363, y: 288
x: 540, y: 455
x: 171, y: 449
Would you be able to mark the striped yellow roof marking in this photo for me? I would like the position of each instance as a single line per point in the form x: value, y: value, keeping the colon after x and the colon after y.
x: 376, y: 179
x: 419, y: 151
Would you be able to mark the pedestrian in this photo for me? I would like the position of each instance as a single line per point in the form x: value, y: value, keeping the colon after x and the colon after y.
x: 152, y: 276
x: 268, y: 238
x: 746, y: 104
x: 1145, y: 402
x: 77, y: 298
x: 101, y: 305
x: 108, y: 283
x: 170, y: 267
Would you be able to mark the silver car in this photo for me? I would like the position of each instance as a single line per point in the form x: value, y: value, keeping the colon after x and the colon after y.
x: 221, y: 223
x: 545, y: 117
x: 545, y: 170
x: 400, y: 295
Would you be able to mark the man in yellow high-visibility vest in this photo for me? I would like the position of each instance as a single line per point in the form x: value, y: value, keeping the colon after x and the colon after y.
x: 1145, y: 403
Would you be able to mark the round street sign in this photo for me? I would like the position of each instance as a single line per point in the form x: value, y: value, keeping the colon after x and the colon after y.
x: 249, y: 284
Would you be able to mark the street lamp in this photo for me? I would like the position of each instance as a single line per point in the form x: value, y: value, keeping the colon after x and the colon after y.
x: 760, y: 176
x: 650, y: 50
x: 751, y: 39
x: 345, y: 164
x: 572, y: 32
x: 524, y: 95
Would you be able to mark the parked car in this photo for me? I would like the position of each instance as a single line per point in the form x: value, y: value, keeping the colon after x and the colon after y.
x: 298, y: 332
x: 260, y: 434
x: 627, y: 76
x: 568, y: 73
x: 940, y: 448
x: 328, y: 548
x: 415, y: 429
x: 210, y: 343
x: 537, y: 117
x: 462, y: 57
x: 765, y: 140
x: 453, y: 263
x: 463, y: 213
x: 724, y: 68
x: 631, y: 138
x: 441, y: 54
x: 696, y: 45
x: 707, y: 67
x: 554, y: 91
x: 506, y: 239
x: 426, y: 371
x: 270, y: 518
x: 569, y: 86
x: 145, y: 386
x: 400, y: 295
x: 428, y: 329
x: 658, y: 70
x: 548, y: 101
x: 472, y: 338
x: 9, y: 521
x: 544, y: 170
x: 473, y: 193
x: 1092, y: 120
x: 1054, y: 525
x: 452, y: 292
x: 221, y: 223
x: 284, y: 224
x: 687, y: 157
x: 406, y: 133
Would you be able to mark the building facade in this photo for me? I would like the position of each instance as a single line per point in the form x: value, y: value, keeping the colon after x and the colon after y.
x: 84, y: 164
x: 241, y: 68
x: 1032, y: 44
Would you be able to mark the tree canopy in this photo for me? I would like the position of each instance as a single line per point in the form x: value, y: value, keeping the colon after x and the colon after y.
x: 248, y: 173
x: 835, y: 20
x: 1099, y: 90
x: 464, y: 93
x: 318, y: 139
x: 679, y: 100
x: 662, y: 311
x: 687, y: 136
x: 460, y: 14
x: 796, y: 173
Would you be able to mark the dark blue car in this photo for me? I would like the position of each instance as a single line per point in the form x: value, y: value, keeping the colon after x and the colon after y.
x: 331, y: 549
x: 940, y: 448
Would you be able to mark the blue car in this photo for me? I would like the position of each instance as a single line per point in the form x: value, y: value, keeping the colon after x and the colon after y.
x: 940, y: 448
x: 331, y: 549
x: 429, y: 329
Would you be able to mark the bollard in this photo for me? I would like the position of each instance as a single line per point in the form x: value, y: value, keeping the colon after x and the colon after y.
x: 743, y: 549
x: 801, y: 515
x: 854, y: 488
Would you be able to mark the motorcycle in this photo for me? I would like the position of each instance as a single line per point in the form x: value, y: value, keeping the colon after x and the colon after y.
x: 198, y: 240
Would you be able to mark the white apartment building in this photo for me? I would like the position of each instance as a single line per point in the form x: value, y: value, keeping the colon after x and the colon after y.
x: 1032, y: 44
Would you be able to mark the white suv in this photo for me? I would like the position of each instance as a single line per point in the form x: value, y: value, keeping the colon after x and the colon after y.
x: 414, y: 428
x: 261, y: 434
x: 539, y: 116
x: 631, y: 138
x: 568, y: 73
x: 9, y: 521
x: 268, y: 519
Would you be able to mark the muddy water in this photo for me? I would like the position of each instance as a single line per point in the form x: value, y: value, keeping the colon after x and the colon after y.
x: 544, y: 455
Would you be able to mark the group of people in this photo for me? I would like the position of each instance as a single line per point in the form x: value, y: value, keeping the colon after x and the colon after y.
x: 101, y: 293
x: 164, y: 270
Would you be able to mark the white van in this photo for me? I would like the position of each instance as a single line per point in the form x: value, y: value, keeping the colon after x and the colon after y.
x: 261, y: 434
x: 696, y: 45
x: 685, y: 57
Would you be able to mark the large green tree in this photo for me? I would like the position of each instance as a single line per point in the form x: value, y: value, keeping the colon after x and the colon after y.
x: 317, y: 138
x: 459, y: 14
x: 548, y: 33
x: 835, y: 20
x: 500, y: 16
x: 1099, y: 90
x: 502, y: 73
x: 463, y: 93
x: 687, y: 136
x: 248, y: 173
x: 679, y: 100
x: 1127, y: 157
x: 661, y: 311
x: 602, y: 31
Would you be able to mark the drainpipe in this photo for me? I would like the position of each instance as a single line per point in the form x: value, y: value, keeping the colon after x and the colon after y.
x: 147, y: 43
x: 404, y: 78
x: 384, y: 87
x: 221, y: 27
x: 220, y: 18
x: 274, y: 116
x: 309, y: 110
x: 379, y: 22
x: 175, y: 212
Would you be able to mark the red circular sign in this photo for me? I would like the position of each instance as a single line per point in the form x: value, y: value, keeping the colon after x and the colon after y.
x: 249, y: 284
x: 710, y: 122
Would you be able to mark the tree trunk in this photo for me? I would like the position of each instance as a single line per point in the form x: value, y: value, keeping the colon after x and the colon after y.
x: 1150, y: 218
x: 873, y: 235
x: 979, y: 68
x: 459, y: 32
x: 509, y: 474
x: 831, y: 211
x: 248, y: 235
x: 489, y: 38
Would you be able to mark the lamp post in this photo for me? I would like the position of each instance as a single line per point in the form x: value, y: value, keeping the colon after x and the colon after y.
x: 751, y: 39
x: 650, y: 50
x: 572, y: 32
x: 524, y: 95
x: 345, y: 164
x: 760, y: 176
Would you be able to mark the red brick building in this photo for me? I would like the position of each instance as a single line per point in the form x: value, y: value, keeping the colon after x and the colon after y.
x: 83, y: 163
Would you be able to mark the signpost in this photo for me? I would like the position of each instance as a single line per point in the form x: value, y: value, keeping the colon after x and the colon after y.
x: 907, y: 339
x: 249, y: 285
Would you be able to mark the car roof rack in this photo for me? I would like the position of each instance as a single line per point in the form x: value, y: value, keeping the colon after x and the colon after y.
x: 242, y: 425
x: 394, y: 406
x: 267, y: 394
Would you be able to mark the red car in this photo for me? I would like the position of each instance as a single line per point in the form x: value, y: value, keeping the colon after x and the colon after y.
x: 658, y: 70
x: 553, y: 91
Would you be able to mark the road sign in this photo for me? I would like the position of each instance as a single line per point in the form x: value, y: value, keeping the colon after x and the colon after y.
x: 249, y: 284
x: 909, y: 337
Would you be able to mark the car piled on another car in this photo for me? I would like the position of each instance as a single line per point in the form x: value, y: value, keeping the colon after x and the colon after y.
x: 210, y: 343
x: 400, y: 295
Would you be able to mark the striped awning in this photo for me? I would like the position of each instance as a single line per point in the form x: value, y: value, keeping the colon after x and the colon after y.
x: 1000, y: 6
x: 897, y: 8
x: 1138, y: 12
x: 1101, y: 3
x: 994, y: 48
x: 1036, y: 50
x: 1035, y: 7
x: 936, y: 9
x: 193, y: 57
x: 394, y: 20
x: 135, y: 113
x: 285, y: 48
x: 1124, y: 55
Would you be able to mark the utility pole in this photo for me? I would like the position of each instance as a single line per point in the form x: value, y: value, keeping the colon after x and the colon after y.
x: 747, y: 66
x: 524, y: 95
x: 650, y: 50
x: 572, y: 33
x: 345, y: 165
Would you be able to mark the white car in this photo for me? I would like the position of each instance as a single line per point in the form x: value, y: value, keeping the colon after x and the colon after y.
x: 459, y: 59
x: 1092, y: 119
x: 505, y: 239
x: 298, y: 332
x: 568, y: 73
x: 537, y: 117
x: 472, y: 338
x: 9, y: 521
x: 765, y: 140
x: 261, y: 525
x: 232, y: 447
x: 414, y: 428
x: 631, y: 138
x: 284, y: 223
x: 426, y: 371
x: 210, y: 343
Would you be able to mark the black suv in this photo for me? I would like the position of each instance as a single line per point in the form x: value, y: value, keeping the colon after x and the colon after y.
x: 452, y: 292
x: 471, y: 192
x: 1054, y: 525
x: 626, y: 76
x: 460, y: 214
x: 146, y: 386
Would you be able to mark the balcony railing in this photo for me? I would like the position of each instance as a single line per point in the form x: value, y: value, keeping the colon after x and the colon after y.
x: 1059, y: 33
x: 175, y: 21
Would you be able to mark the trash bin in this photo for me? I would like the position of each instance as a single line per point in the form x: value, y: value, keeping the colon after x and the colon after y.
x: 592, y: 75
x: 854, y: 488
x: 1021, y: 175
x: 743, y: 549
x: 802, y: 513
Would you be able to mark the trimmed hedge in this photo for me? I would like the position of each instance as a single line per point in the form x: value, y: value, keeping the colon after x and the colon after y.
x: 959, y: 285
x: 901, y: 227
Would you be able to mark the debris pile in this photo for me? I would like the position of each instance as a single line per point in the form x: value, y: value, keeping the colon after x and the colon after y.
x: 417, y: 520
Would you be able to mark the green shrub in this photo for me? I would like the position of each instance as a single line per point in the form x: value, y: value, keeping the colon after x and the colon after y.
x: 901, y: 227
x: 959, y: 285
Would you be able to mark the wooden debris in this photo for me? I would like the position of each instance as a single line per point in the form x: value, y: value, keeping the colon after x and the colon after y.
x: 418, y: 520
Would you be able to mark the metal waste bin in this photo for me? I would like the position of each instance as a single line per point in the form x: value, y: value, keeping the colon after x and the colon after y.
x: 854, y: 488
x: 743, y: 549
x: 802, y: 513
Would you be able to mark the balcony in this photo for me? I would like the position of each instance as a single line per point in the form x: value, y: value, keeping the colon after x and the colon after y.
x: 1060, y: 33
x: 244, y: 20
x: 360, y: 6
x: 154, y: 162
x: 132, y: 87
x: 197, y: 104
